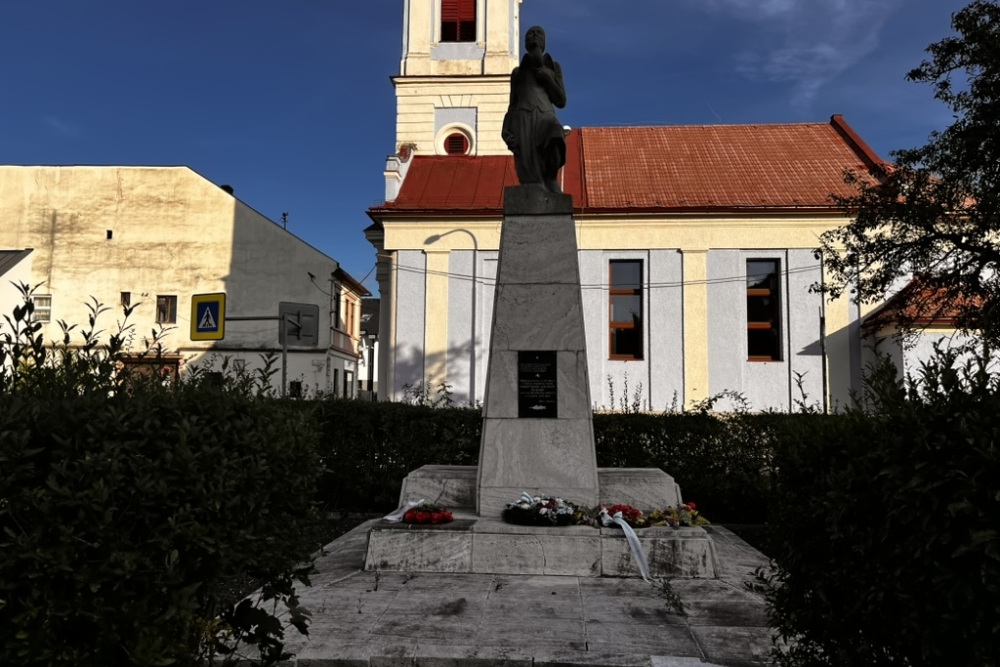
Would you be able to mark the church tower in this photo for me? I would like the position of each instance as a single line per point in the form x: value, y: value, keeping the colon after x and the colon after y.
x: 454, y: 80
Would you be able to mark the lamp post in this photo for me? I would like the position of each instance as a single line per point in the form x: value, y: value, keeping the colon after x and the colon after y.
x: 475, y: 260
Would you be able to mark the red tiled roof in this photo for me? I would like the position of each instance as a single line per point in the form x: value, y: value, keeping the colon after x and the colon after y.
x: 922, y: 303
x: 663, y: 168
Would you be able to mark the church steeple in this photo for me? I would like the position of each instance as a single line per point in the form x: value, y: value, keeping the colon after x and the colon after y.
x: 459, y: 37
x: 453, y: 83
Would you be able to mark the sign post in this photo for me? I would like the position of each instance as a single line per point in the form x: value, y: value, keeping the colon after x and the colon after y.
x: 208, y: 322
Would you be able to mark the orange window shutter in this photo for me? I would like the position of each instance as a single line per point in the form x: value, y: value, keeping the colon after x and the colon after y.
x: 466, y: 10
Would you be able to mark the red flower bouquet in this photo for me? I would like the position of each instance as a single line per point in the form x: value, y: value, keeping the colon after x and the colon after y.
x: 632, y: 516
x: 428, y: 515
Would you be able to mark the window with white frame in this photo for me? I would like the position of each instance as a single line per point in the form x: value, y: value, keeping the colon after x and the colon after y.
x: 43, y: 307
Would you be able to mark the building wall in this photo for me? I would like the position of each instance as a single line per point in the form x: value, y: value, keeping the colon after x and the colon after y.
x: 419, y: 103
x: 446, y: 86
x: 495, y: 50
x: 10, y: 295
x: 172, y: 233
x: 765, y: 385
x: 910, y: 355
x: 694, y: 301
x: 407, y: 349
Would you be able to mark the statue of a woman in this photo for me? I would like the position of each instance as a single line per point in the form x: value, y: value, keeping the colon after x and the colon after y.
x: 530, y: 129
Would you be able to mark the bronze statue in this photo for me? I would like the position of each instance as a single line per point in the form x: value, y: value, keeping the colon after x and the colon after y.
x: 530, y: 129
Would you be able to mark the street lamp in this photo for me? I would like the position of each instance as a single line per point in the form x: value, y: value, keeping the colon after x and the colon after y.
x: 475, y: 258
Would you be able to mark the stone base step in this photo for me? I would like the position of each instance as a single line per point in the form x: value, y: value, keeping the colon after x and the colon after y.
x: 478, y: 545
x: 455, y: 486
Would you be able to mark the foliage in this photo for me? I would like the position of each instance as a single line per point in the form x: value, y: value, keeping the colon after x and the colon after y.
x: 884, y: 528
x: 368, y: 448
x: 671, y: 598
x: 933, y: 213
x: 126, y: 506
x: 721, y: 461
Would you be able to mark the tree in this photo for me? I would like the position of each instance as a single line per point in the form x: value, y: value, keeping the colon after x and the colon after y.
x: 933, y: 213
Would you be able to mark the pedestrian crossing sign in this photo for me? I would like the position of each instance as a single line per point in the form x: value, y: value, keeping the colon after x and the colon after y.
x: 208, y: 316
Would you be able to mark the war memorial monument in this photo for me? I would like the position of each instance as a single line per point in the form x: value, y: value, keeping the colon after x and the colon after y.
x: 538, y: 436
x: 481, y: 592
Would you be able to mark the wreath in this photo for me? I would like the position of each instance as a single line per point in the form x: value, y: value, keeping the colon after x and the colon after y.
x: 543, y: 511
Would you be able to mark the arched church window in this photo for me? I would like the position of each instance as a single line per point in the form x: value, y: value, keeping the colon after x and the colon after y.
x: 458, y: 20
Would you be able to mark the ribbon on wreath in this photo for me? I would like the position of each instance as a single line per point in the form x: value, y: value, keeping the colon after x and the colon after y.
x: 398, y: 515
x: 632, y: 538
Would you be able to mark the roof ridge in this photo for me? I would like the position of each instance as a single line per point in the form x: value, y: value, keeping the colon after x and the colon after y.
x: 645, y: 126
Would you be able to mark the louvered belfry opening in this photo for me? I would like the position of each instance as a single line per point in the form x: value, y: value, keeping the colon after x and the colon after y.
x: 456, y: 144
x: 458, y: 20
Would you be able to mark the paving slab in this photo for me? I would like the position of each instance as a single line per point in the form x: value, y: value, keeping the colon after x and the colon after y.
x: 404, y: 619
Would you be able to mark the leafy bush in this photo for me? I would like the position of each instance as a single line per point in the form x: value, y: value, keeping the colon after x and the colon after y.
x: 126, y: 507
x: 722, y: 462
x: 368, y: 448
x: 885, y: 526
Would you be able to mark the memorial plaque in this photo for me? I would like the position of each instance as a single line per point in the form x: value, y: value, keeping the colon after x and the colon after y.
x: 536, y: 385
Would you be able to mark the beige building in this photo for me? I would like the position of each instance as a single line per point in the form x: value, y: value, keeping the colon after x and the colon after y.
x: 154, y: 237
x: 696, y: 242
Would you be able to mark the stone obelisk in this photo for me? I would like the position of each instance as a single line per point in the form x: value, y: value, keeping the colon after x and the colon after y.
x: 538, y: 434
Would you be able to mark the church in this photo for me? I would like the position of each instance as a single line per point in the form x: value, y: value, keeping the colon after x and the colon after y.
x: 696, y: 243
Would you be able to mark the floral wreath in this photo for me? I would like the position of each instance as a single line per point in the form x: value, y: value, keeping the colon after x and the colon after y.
x: 421, y: 512
x: 531, y: 510
x: 543, y: 511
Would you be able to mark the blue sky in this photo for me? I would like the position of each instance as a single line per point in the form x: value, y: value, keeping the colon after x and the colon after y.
x: 290, y: 101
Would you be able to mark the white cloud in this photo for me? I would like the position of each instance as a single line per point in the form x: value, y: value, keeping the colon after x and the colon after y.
x: 805, y: 43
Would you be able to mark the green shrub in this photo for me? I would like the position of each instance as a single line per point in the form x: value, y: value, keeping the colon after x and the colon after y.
x: 368, y: 448
x: 127, y: 507
x: 722, y: 462
x: 885, y: 526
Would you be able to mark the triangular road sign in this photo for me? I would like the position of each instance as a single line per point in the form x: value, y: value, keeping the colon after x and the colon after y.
x: 207, y: 322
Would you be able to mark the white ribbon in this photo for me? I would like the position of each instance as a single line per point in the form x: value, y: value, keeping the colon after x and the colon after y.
x: 397, y: 516
x: 633, y: 541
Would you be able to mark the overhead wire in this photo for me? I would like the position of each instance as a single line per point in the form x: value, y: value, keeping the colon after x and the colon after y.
x: 602, y: 286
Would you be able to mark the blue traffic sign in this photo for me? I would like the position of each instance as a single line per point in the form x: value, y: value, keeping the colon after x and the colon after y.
x: 208, y: 316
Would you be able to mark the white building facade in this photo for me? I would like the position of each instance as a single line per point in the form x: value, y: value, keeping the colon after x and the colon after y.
x: 152, y: 238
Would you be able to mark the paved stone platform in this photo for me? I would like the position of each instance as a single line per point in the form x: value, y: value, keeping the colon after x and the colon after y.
x: 397, y: 619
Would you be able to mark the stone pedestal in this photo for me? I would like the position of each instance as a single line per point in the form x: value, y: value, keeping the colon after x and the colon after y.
x: 490, y: 546
x: 537, y: 438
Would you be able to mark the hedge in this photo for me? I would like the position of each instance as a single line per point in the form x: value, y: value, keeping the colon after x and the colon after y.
x: 722, y: 462
x: 127, y: 508
x: 885, y: 527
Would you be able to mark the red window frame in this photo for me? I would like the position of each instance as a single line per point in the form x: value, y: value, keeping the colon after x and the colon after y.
x: 458, y: 20
x: 635, y: 324
x: 764, y: 298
